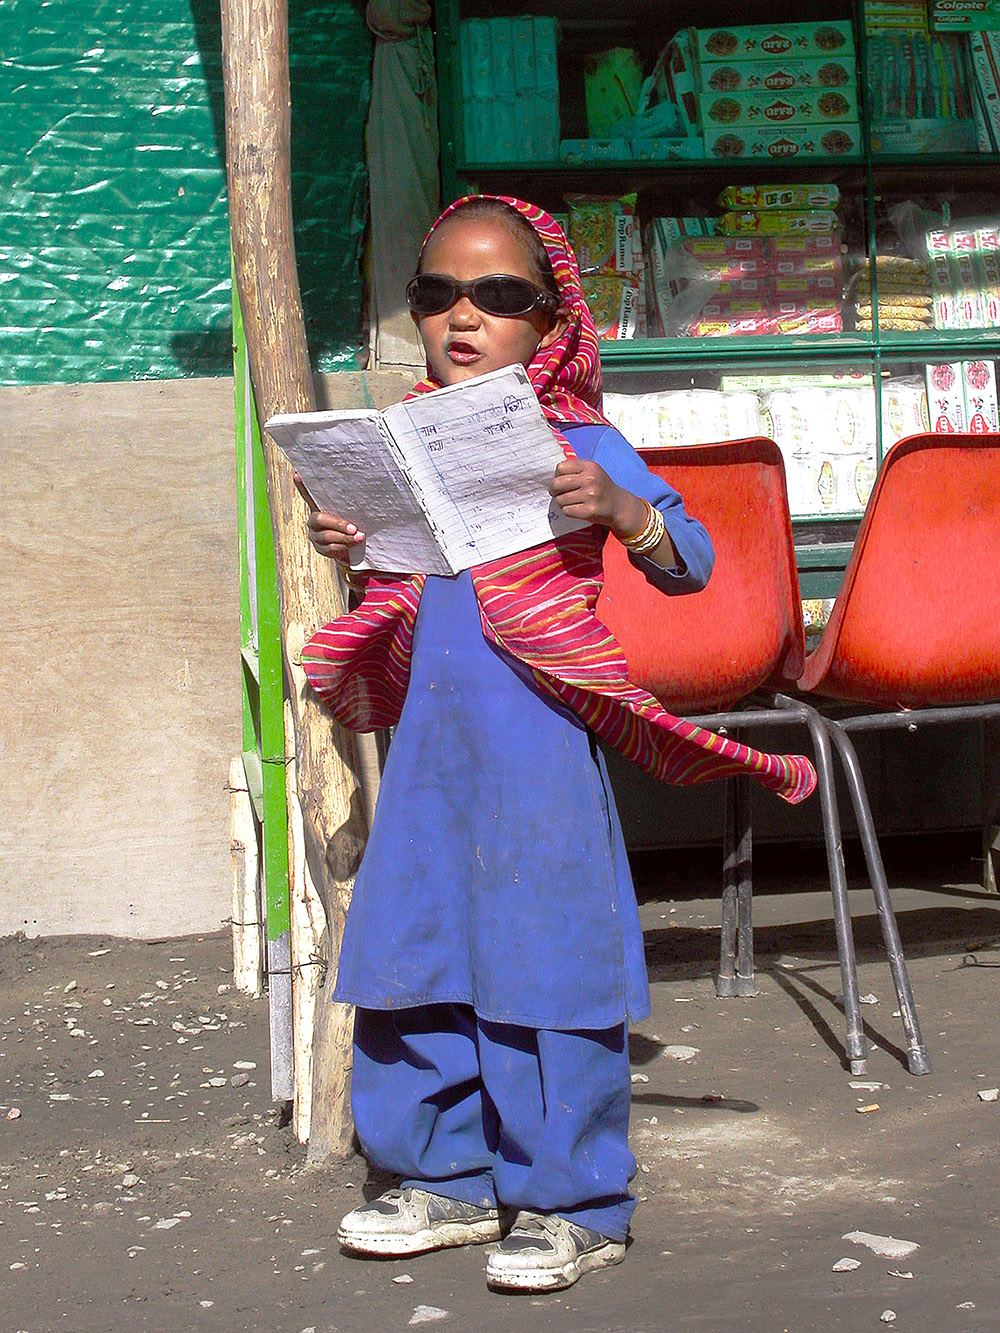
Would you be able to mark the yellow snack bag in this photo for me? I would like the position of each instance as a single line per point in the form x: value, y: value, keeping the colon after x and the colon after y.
x: 602, y: 232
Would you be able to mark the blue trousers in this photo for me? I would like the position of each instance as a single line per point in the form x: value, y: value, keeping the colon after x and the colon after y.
x: 496, y: 1113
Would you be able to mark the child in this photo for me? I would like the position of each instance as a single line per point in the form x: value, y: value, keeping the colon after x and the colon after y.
x: 493, y: 947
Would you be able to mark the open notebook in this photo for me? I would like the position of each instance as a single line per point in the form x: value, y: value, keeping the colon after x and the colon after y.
x: 441, y: 482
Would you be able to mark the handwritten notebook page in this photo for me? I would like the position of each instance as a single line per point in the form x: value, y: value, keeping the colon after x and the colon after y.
x: 348, y: 469
x: 483, y: 455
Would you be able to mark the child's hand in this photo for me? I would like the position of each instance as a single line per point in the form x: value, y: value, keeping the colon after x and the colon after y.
x: 584, y: 490
x: 333, y: 536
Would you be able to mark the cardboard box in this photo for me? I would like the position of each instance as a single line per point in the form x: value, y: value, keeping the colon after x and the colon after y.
x: 767, y: 142
x: 984, y: 52
x: 965, y: 15
x: 926, y: 136
x: 781, y: 76
x: 806, y: 106
x: 765, y: 42
x: 946, y: 398
x: 979, y: 387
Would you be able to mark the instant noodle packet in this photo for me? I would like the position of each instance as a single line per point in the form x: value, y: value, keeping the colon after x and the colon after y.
x: 602, y: 232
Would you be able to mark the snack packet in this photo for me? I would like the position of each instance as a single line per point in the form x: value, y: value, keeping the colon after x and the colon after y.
x: 602, y: 232
x: 613, y: 303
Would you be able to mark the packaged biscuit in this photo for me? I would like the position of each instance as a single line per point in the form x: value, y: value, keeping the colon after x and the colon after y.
x: 784, y: 143
x: 897, y: 310
x: 766, y: 42
x: 780, y: 222
x: 729, y: 258
x: 806, y: 317
x: 806, y: 106
x: 900, y: 323
x: 601, y: 232
x: 979, y: 386
x: 945, y: 398
x: 904, y: 409
x: 743, y: 326
x: 613, y: 303
x: 796, y: 256
x: 782, y: 76
x: 822, y: 283
x: 763, y: 198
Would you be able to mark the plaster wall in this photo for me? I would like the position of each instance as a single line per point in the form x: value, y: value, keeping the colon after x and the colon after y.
x: 119, y: 671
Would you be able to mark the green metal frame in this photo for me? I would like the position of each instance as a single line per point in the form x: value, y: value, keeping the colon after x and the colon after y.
x: 820, y: 567
x: 262, y: 687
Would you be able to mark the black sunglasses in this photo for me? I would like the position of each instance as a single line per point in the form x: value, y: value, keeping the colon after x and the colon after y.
x: 495, y: 294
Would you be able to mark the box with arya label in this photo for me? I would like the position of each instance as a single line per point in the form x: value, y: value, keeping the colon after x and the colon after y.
x: 807, y: 106
x: 780, y: 76
x: 766, y: 42
x: 786, y: 142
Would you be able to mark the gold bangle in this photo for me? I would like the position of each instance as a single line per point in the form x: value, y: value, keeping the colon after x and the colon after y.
x: 649, y: 536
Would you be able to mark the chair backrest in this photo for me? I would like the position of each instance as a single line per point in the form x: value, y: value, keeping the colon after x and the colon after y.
x: 706, y: 650
x: 917, y: 619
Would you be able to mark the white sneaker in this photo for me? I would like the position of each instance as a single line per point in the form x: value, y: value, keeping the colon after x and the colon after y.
x: 412, y: 1221
x: 543, y: 1253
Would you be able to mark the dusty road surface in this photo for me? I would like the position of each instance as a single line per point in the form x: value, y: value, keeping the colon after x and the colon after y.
x: 148, y: 1183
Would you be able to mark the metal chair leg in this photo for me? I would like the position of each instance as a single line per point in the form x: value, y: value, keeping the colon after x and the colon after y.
x: 855, y: 1045
x: 736, y: 965
x: 991, y: 805
x: 916, y: 1054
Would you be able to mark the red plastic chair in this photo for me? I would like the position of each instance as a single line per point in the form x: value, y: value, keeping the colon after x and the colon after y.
x: 915, y: 630
x: 713, y: 650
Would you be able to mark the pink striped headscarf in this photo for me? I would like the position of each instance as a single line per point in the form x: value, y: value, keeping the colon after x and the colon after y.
x: 539, y: 605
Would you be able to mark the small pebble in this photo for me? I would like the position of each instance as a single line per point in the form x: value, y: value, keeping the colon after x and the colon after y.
x: 846, y: 1265
x: 96, y: 1073
x: 245, y: 1064
x: 403, y: 1277
x: 69, y: 987
x: 895, y: 1272
x: 239, y: 1080
x: 217, y: 1082
x: 640, y: 1078
x: 866, y: 1110
x: 427, y: 1314
x: 888, y: 1316
x: 14, y: 1113
x: 129, y: 1179
x: 988, y: 1094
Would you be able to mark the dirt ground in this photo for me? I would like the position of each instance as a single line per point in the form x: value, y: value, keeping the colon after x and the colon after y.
x: 148, y: 1183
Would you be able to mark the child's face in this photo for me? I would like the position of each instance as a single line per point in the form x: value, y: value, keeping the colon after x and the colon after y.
x: 465, y: 341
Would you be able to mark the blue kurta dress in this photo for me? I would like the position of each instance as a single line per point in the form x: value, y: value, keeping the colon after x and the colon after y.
x: 495, y: 873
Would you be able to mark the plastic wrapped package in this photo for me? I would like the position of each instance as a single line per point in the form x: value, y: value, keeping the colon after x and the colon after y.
x: 601, y: 231
x: 904, y: 409
x: 827, y: 440
x: 613, y: 302
x: 684, y: 416
x: 779, y: 222
x: 765, y: 198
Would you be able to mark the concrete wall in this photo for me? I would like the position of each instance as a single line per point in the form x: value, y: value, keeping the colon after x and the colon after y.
x: 119, y: 673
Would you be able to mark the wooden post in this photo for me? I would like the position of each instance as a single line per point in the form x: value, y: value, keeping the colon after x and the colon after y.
x: 256, y: 85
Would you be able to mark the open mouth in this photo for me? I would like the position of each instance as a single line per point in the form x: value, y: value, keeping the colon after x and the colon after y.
x: 462, y: 353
